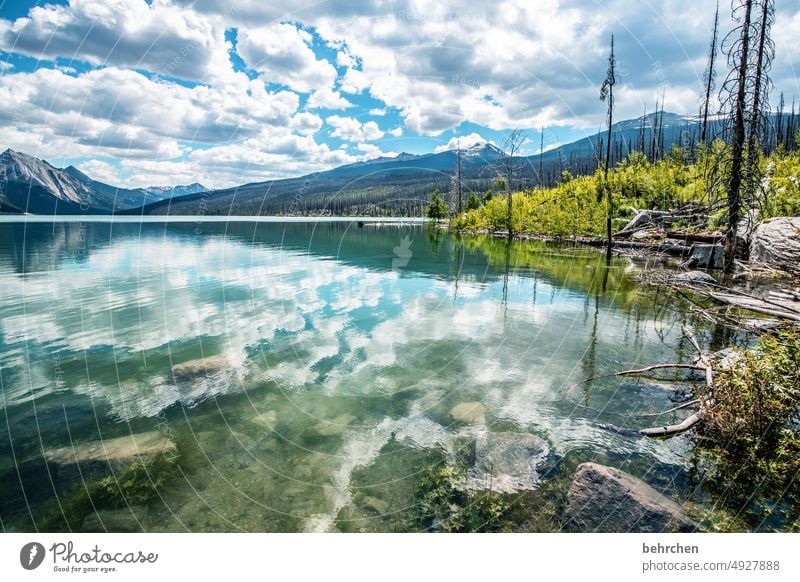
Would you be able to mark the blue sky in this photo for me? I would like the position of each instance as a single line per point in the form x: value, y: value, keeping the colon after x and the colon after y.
x: 227, y: 92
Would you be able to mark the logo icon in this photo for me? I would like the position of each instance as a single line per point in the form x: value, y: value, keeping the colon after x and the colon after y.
x: 31, y: 555
x: 402, y: 253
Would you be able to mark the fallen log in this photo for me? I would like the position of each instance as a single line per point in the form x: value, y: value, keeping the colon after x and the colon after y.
x: 673, y: 429
x: 756, y: 306
x: 701, y: 238
x: 659, y: 367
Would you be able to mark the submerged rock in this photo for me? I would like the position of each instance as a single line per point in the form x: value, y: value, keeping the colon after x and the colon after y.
x: 506, y: 462
x: 469, y: 412
x: 777, y: 242
x: 120, y: 450
x: 604, y: 499
x: 201, y: 367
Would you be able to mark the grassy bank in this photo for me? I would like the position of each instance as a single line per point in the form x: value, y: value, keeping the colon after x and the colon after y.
x: 576, y: 207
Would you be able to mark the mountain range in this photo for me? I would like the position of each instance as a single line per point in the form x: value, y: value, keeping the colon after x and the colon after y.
x: 31, y: 185
x: 385, y: 185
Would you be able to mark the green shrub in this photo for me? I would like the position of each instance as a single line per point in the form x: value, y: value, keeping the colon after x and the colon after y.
x: 752, y: 431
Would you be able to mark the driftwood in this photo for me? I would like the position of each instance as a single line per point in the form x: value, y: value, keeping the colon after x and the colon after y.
x: 700, y: 238
x: 658, y: 367
x: 674, y: 429
x: 691, y: 420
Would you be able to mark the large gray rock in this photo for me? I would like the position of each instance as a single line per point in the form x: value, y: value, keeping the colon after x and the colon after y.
x: 506, y: 462
x: 705, y: 256
x: 604, y: 499
x: 777, y: 242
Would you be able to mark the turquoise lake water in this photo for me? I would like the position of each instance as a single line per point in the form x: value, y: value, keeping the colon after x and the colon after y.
x: 305, y: 373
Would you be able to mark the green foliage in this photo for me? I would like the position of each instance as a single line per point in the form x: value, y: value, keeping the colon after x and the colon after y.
x: 141, y: 483
x: 577, y: 205
x: 783, y: 186
x: 473, y: 202
x: 444, y: 504
x: 138, y: 484
x: 437, y: 210
x: 752, y: 432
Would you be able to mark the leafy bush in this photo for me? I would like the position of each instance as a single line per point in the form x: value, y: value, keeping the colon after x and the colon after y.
x: 752, y: 432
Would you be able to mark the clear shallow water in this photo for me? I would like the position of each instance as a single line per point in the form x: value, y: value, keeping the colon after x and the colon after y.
x: 333, y: 357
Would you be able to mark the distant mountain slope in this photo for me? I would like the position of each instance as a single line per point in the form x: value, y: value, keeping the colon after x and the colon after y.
x: 385, y: 185
x: 31, y: 185
x: 403, y: 185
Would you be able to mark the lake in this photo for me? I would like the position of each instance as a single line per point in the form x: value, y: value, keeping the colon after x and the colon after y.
x: 302, y: 375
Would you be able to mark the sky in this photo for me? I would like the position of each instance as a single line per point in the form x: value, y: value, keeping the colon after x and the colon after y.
x: 226, y: 92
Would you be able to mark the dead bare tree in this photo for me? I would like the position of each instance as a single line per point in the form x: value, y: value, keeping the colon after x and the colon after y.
x: 735, y: 86
x: 761, y: 87
x: 459, y: 184
x: 607, y: 94
x: 709, y: 77
x: 511, y: 148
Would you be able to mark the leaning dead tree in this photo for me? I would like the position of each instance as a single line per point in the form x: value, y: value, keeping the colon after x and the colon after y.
x: 709, y: 77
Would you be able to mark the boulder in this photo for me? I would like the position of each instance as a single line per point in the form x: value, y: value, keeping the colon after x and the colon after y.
x: 705, y: 256
x: 469, y: 412
x: 506, y: 462
x: 604, y: 499
x: 777, y: 242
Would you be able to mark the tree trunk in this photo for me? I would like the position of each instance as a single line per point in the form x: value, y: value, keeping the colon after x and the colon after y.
x: 735, y: 183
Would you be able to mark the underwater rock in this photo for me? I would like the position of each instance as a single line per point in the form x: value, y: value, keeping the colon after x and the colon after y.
x: 375, y: 504
x: 120, y: 450
x: 605, y: 499
x: 469, y: 412
x: 94, y: 460
x: 506, y: 462
x: 201, y: 367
